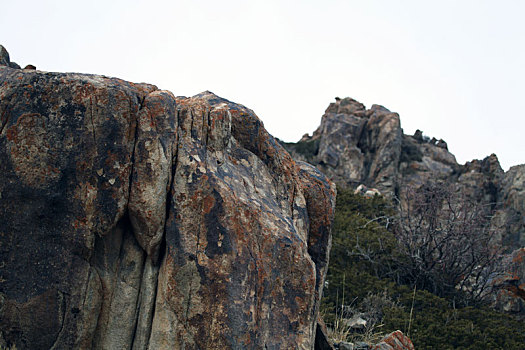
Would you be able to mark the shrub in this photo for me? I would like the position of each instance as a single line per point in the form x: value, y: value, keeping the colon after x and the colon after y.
x: 364, y: 267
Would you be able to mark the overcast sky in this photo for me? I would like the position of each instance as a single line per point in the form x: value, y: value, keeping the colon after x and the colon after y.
x: 454, y: 69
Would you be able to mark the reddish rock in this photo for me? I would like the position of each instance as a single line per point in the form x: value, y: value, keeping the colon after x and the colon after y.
x: 394, y: 341
x: 511, y: 286
x: 130, y: 218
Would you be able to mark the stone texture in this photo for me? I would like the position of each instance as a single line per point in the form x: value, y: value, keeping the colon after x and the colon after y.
x: 357, y: 144
x: 133, y: 219
x: 394, y: 341
x: 5, y: 60
x: 4, y: 57
x: 512, y: 206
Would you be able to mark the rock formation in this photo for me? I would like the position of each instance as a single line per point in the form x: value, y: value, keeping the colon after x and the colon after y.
x: 354, y: 146
x: 366, y: 148
x: 5, y: 60
x: 134, y: 219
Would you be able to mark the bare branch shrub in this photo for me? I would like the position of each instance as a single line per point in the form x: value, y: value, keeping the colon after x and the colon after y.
x: 448, y: 242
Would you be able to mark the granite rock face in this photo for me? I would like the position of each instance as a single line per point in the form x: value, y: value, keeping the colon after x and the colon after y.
x: 134, y: 219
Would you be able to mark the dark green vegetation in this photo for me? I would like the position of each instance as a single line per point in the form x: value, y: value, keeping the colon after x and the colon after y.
x: 308, y: 149
x: 409, y: 151
x: 367, y: 275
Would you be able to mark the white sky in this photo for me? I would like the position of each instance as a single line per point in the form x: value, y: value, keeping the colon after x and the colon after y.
x: 454, y: 69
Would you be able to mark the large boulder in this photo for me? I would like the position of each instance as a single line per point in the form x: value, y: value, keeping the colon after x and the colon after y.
x: 134, y: 219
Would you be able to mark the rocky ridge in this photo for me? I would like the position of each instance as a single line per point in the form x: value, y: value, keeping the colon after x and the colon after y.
x: 356, y: 146
x: 134, y: 219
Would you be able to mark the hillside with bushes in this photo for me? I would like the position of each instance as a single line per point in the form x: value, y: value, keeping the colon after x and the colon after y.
x: 368, y: 280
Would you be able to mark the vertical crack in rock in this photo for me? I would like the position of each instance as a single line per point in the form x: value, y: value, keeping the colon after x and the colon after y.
x: 91, y: 107
x: 145, y: 305
x: 150, y: 186
x: 320, y: 204
x: 62, y: 312
x: 121, y: 277
x: 135, y: 128
x: 91, y: 306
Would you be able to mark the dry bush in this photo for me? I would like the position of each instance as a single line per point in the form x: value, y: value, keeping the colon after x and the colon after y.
x: 447, y: 241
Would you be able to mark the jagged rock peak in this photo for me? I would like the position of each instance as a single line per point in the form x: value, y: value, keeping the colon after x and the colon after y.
x: 5, y: 60
x: 4, y: 56
x: 355, y: 146
x: 134, y: 219
x: 489, y: 165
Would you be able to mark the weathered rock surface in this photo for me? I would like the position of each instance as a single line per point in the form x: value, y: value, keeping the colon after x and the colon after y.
x: 133, y: 219
x: 511, y: 212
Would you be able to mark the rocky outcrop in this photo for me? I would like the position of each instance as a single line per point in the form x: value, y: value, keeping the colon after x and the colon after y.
x: 134, y: 219
x: 366, y: 149
x: 5, y: 60
x: 357, y: 146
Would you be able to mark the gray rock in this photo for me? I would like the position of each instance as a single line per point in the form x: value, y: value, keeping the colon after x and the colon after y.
x: 346, y: 346
x: 4, y: 57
